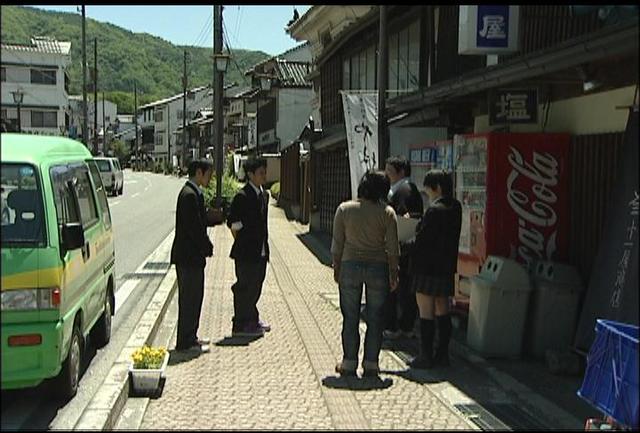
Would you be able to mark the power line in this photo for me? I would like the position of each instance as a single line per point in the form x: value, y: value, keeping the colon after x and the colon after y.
x: 235, y: 63
x: 204, y: 28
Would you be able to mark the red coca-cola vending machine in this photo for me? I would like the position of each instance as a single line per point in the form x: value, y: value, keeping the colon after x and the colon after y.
x: 514, y: 191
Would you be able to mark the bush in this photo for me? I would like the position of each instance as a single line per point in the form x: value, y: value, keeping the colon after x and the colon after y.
x: 230, y: 188
x: 275, y: 190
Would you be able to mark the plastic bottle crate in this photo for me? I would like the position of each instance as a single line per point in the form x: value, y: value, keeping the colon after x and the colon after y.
x: 611, y: 379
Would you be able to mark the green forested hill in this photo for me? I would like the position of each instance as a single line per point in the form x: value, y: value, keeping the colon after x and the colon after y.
x: 123, y: 56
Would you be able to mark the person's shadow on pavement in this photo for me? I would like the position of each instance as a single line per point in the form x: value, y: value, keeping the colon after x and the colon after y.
x: 237, y: 341
x: 180, y: 356
x: 356, y: 384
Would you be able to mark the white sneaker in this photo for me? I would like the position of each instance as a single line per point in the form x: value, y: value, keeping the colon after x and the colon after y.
x: 391, y: 335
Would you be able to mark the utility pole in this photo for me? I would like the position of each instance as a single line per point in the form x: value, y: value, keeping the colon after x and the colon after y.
x: 95, y: 96
x: 104, y: 129
x: 217, y: 100
x: 135, y: 120
x: 85, y: 131
x: 383, y: 64
x: 184, y: 106
x: 169, y: 124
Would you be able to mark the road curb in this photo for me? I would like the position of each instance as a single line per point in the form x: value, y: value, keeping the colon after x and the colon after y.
x: 105, y: 406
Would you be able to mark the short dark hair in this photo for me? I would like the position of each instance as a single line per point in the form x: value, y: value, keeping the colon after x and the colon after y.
x: 440, y: 177
x: 374, y: 186
x: 400, y: 163
x: 203, y: 164
x: 252, y: 164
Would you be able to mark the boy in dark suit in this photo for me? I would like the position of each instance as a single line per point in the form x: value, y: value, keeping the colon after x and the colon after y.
x: 248, y: 223
x: 404, y: 198
x: 191, y: 246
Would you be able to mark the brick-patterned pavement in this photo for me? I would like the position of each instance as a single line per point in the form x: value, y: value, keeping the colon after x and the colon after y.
x: 276, y: 382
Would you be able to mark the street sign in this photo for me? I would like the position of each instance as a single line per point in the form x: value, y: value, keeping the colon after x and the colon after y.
x: 509, y: 106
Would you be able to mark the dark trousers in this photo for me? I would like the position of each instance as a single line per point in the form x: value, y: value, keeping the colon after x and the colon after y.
x: 247, y: 291
x: 403, y: 298
x: 190, y: 295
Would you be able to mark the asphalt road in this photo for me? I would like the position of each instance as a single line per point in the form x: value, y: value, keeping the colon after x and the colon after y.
x: 142, y: 218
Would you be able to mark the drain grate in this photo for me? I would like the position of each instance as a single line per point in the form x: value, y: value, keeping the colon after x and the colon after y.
x: 500, y: 416
x: 480, y: 417
x: 157, y: 265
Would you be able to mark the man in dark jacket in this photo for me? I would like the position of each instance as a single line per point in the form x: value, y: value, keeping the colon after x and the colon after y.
x: 404, y: 198
x: 248, y: 223
x: 191, y: 245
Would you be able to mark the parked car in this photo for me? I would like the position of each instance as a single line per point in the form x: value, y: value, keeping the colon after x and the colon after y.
x: 58, y: 261
x: 111, y: 174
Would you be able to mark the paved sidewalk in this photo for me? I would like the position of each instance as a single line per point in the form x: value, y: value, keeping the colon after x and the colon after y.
x: 285, y: 380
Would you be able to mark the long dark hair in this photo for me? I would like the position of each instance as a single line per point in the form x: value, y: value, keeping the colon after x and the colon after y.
x: 440, y: 177
x: 374, y: 186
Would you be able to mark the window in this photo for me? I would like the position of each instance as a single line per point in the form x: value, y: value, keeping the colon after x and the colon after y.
x: 99, y: 189
x: 86, y: 199
x: 44, y: 119
x: 22, y: 212
x: 158, y: 116
x: 404, y: 58
x: 43, y: 76
x: 66, y: 210
x: 159, y: 139
x: 103, y: 165
x: 3, y: 114
x: 4, y: 74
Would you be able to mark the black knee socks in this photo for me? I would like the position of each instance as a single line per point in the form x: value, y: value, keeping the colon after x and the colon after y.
x: 427, y: 331
x: 444, y: 334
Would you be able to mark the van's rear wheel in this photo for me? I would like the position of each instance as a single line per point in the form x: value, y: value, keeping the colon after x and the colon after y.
x: 70, y: 374
x: 102, y: 329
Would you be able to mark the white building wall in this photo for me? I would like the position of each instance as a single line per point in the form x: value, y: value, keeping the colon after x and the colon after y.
x: 37, y: 97
x: 294, y: 109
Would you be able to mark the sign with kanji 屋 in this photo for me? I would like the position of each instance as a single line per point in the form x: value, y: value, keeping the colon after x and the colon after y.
x: 507, y: 106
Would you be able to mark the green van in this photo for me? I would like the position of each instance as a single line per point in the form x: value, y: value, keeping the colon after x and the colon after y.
x: 58, y: 260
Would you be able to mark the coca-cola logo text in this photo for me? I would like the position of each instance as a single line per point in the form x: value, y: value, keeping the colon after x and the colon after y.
x: 536, y: 213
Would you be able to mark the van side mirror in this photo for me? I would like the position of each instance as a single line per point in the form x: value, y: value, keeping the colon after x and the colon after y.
x: 72, y: 236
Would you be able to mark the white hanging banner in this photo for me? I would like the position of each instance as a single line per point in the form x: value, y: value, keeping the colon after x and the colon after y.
x: 361, y: 124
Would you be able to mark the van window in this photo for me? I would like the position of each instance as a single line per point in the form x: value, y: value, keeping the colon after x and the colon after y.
x: 22, y: 211
x: 86, y: 199
x: 99, y: 189
x: 66, y: 209
x: 103, y: 165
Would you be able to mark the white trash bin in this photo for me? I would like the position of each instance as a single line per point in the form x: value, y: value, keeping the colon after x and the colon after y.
x: 498, y: 308
x: 553, y: 313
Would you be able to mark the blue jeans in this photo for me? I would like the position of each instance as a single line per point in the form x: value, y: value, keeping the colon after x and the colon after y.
x: 375, y: 277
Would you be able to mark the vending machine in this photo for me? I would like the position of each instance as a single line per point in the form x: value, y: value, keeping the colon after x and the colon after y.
x: 514, y: 191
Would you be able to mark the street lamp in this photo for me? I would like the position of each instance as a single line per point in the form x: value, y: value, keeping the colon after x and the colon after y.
x: 222, y: 61
x: 18, y: 95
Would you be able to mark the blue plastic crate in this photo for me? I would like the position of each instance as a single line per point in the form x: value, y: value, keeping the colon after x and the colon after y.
x: 611, y: 380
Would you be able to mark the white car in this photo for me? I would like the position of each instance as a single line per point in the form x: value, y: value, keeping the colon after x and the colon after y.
x: 111, y: 174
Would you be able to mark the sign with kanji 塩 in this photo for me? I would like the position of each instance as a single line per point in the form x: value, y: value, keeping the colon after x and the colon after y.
x: 513, y: 106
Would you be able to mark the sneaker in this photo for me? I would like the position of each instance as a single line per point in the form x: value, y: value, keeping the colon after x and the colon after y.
x: 248, y: 331
x: 408, y: 334
x: 197, y: 347
x: 204, y: 341
x: 421, y: 363
x: 391, y: 335
x: 264, y: 325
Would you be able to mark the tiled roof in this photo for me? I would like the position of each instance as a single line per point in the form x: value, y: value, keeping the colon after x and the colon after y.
x: 41, y: 45
x: 171, y: 98
x: 292, y: 74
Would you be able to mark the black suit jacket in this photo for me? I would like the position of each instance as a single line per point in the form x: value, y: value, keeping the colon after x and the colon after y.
x: 251, y: 210
x: 435, y: 250
x: 191, y: 244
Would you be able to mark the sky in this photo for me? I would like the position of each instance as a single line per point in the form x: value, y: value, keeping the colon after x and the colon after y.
x: 247, y: 27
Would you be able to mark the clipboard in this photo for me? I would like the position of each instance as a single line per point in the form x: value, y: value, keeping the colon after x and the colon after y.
x: 407, y: 228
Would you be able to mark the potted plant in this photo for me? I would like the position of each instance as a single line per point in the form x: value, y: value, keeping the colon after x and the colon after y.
x: 147, y: 366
